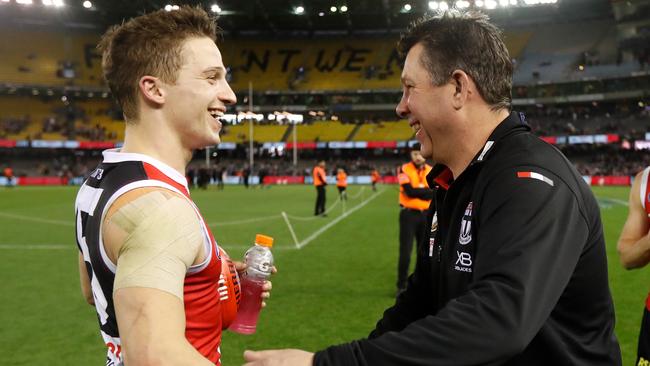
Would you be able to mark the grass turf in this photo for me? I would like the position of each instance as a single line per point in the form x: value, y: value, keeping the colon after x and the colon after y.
x: 332, y: 290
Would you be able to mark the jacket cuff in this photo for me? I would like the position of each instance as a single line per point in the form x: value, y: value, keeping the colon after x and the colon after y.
x: 340, y: 355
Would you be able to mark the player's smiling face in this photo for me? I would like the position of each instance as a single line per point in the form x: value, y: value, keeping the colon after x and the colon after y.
x: 198, y: 99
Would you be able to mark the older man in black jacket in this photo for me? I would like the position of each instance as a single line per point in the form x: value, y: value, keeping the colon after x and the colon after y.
x: 514, y: 271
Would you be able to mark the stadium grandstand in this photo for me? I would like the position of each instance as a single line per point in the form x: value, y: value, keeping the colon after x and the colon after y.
x: 324, y: 80
x: 581, y: 77
x: 315, y: 80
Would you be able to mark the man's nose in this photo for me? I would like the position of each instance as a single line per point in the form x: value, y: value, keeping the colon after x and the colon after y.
x: 402, y: 108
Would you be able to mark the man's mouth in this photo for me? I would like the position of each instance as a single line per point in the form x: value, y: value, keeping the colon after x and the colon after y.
x: 215, y: 113
x: 415, y: 125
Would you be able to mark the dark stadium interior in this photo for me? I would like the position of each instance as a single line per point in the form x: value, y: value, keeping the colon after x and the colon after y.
x: 581, y: 69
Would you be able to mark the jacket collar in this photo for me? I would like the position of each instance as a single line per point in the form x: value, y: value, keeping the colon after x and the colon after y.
x: 442, y: 176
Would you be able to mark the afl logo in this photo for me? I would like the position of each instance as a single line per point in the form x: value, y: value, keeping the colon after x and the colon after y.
x: 466, y: 226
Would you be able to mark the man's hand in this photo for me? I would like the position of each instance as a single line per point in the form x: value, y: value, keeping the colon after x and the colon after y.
x: 266, y: 289
x: 280, y: 357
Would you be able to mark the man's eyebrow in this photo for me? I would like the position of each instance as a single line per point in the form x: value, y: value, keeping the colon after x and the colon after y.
x: 406, y: 79
x: 213, y: 69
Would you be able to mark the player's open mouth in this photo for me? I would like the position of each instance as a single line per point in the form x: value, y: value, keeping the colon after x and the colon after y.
x: 415, y: 125
x: 215, y: 113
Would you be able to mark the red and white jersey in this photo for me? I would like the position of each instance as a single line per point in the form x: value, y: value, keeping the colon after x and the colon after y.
x: 120, y: 173
x: 644, y: 191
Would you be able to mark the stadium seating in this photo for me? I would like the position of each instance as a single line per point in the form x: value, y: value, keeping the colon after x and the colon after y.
x: 384, y: 131
x: 331, y: 64
x: 552, y: 52
x: 324, y: 131
x: 261, y: 133
x: 37, y: 57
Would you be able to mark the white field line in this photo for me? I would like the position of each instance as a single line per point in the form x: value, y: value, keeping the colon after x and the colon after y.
x: 310, y: 218
x: 318, y: 232
x: 72, y: 246
x: 283, y: 215
x: 36, y: 219
x: 617, y: 201
x: 38, y: 246
x: 245, y: 221
x: 358, y: 193
x: 293, y: 233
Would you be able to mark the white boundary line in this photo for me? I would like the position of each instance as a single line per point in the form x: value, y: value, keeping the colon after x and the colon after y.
x: 283, y: 215
x: 356, y: 195
x: 615, y: 200
x: 37, y: 246
x: 310, y: 218
x: 293, y: 234
x: 72, y: 246
x: 335, y: 221
x: 36, y: 219
x: 245, y: 221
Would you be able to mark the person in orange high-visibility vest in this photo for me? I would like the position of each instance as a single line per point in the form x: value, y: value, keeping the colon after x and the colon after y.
x: 374, y: 176
x: 9, y: 175
x: 320, y: 181
x: 414, y: 199
x: 342, y: 183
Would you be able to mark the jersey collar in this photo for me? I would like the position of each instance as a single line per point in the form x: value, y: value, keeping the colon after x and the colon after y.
x: 115, y: 156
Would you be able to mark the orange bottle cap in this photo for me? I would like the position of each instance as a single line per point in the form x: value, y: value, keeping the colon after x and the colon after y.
x: 264, y: 240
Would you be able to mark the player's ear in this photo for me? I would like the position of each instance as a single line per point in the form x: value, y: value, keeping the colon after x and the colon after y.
x: 152, y: 90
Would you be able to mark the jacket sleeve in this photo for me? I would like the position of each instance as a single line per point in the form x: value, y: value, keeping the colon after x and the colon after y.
x: 410, y: 304
x: 421, y: 193
x: 530, y: 236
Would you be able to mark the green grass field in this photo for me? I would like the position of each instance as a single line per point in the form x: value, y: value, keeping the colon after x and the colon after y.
x: 330, y: 291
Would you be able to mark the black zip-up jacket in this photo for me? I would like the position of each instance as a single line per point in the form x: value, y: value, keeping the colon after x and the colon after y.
x: 515, y: 274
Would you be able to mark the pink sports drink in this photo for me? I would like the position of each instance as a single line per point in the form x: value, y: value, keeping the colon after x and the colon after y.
x: 259, y: 262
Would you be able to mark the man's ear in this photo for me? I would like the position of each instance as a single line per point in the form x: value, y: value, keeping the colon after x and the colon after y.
x: 462, y: 84
x: 152, y: 90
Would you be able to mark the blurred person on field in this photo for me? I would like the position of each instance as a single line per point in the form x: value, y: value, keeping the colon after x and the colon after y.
x: 374, y: 179
x: 514, y: 269
x: 634, y: 250
x: 8, y: 173
x: 320, y: 182
x: 342, y: 184
x: 414, y: 199
x: 148, y: 262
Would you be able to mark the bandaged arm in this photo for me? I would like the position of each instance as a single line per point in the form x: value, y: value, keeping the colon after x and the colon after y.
x: 634, y: 243
x: 158, y: 237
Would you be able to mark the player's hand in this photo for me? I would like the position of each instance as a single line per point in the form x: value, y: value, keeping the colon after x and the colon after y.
x: 280, y: 357
x: 268, y: 286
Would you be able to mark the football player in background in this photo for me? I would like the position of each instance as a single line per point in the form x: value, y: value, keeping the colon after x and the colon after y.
x: 634, y: 250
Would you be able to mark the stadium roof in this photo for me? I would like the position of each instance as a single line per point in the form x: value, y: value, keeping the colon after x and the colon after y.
x: 278, y: 17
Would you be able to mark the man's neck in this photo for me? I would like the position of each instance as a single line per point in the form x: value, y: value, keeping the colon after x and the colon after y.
x: 157, y: 142
x: 479, y: 127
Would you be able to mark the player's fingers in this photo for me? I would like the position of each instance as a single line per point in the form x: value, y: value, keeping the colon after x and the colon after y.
x: 258, y: 355
x: 239, y: 266
x: 274, y: 270
x: 268, y: 286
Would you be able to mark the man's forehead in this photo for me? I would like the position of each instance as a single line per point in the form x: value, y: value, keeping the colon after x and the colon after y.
x: 202, y: 53
x: 412, y: 63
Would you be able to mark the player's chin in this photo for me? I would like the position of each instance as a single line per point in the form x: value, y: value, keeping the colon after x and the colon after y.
x: 426, y: 150
x: 212, y: 136
x: 205, y: 140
